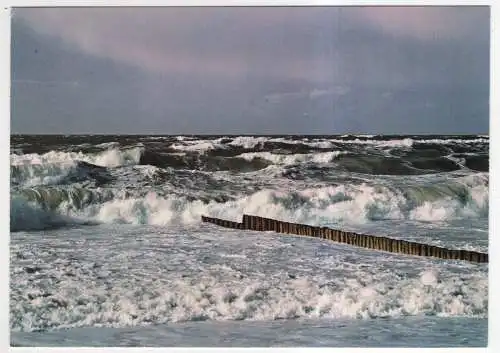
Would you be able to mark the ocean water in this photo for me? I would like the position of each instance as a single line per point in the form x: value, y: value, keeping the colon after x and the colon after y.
x: 107, y: 246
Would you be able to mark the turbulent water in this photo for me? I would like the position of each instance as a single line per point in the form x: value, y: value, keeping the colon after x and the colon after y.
x: 106, y: 233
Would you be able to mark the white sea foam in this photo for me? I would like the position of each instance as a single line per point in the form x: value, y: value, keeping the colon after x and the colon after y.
x: 113, y: 157
x: 354, y: 204
x: 248, y: 141
x: 288, y: 159
x: 41, y: 174
x: 53, y: 167
x: 122, y: 284
x: 429, y: 278
x: 344, y: 203
x: 196, y: 146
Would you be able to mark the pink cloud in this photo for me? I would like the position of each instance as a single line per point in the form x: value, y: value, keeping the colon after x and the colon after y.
x: 423, y: 22
x: 232, y: 42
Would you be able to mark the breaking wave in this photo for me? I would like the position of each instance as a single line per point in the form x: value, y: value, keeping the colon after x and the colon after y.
x: 321, y: 157
x: 25, y: 215
x: 465, y: 197
x: 171, y: 180
x: 113, y: 157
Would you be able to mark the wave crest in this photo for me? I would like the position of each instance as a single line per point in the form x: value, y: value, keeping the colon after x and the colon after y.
x: 466, y: 197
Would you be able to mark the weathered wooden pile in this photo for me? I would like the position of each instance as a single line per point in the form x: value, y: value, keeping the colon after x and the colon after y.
x: 362, y: 240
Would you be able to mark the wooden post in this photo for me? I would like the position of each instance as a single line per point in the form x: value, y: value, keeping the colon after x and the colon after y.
x: 369, y: 241
x: 380, y: 243
x: 335, y: 235
x: 245, y: 221
x: 442, y: 252
x: 389, y: 245
x: 362, y: 239
x: 468, y: 255
x: 276, y: 225
x: 437, y: 251
x: 416, y: 248
x: 258, y: 223
x: 432, y: 251
x: 251, y: 222
x: 410, y: 248
x: 399, y: 246
x: 384, y: 246
x: 474, y: 256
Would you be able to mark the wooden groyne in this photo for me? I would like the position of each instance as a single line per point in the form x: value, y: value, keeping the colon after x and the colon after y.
x: 361, y: 240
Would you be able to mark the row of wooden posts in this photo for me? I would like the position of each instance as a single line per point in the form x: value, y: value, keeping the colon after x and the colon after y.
x: 350, y: 238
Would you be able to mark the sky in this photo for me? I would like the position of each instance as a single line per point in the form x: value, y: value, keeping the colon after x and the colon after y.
x: 250, y: 70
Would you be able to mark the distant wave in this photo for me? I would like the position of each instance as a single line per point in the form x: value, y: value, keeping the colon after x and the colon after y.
x: 168, y: 180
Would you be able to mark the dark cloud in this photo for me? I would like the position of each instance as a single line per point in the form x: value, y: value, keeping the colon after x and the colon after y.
x: 251, y: 70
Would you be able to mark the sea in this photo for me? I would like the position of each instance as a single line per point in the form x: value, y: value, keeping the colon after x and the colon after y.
x: 107, y: 247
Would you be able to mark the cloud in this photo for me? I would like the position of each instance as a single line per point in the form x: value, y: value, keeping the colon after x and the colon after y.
x: 429, y: 22
x: 45, y: 82
x: 292, y: 42
x: 218, y: 40
x: 207, y: 70
x: 310, y: 94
